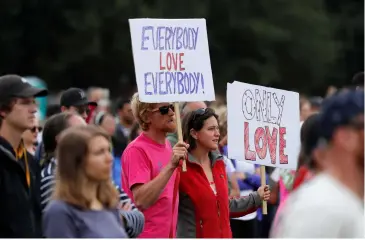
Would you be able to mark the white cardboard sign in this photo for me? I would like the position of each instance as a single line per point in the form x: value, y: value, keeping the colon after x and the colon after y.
x: 263, y: 125
x: 171, y: 60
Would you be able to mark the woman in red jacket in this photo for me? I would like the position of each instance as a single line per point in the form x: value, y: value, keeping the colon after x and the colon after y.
x: 204, y: 205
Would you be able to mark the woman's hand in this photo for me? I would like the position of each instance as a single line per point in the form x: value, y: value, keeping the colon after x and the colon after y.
x: 264, y: 192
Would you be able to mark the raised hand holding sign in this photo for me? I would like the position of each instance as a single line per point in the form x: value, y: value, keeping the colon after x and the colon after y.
x: 172, y: 63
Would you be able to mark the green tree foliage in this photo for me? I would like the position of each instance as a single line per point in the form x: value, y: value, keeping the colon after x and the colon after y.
x: 300, y: 45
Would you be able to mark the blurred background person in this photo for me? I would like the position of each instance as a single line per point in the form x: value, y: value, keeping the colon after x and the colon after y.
x: 125, y: 122
x: 107, y: 122
x: 331, y: 205
x: 30, y: 137
x: 135, y: 132
x: 304, y: 108
x: 75, y: 100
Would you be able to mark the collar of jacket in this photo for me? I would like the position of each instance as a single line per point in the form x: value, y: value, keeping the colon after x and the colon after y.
x: 6, y: 147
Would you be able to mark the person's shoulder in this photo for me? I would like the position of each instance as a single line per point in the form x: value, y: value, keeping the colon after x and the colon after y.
x: 57, y: 207
x: 134, y: 150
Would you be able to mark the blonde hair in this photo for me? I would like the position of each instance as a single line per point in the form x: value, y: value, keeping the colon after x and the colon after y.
x: 139, y: 110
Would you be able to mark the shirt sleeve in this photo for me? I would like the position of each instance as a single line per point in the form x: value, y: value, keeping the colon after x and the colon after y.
x: 242, y: 206
x: 134, y: 219
x: 137, y: 168
x: 58, y: 221
x: 47, y: 185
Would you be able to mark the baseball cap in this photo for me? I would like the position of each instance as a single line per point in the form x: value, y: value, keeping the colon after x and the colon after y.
x: 75, y: 97
x: 316, y: 101
x: 15, y: 86
x: 340, y: 110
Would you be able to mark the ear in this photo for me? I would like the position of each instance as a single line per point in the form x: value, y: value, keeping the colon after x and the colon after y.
x: 2, y: 114
x: 193, y: 134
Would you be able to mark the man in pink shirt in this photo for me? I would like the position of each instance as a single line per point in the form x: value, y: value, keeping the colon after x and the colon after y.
x: 149, y: 163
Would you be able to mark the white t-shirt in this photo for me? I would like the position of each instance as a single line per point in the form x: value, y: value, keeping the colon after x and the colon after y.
x: 229, y: 165
x: 321, y: 208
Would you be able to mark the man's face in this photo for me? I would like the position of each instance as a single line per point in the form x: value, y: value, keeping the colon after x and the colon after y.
x: 126, y: 114
x: 162, y: 117
x: 80, y: 110
x: 22, y: 114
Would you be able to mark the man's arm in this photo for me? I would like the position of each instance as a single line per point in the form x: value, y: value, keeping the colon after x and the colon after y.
x: 147, y: 194
x: 137, y: 169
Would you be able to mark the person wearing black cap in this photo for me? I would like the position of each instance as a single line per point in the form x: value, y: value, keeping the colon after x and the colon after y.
x: 20, y: 212
x: 75, y: 101
x: 331, y: 205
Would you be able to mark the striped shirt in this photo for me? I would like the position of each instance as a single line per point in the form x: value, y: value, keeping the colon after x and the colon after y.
x: 134, y: 219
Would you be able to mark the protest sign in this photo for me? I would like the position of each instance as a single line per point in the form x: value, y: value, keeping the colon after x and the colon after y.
x: 171, y: 60
x: 263, y: 125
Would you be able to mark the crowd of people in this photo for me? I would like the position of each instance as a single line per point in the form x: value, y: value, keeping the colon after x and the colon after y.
x: 96, y: 168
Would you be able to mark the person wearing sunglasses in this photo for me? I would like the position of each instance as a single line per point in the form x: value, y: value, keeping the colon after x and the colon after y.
x: 74, y: 100
x: 204, y: 205
x: 149, y: 168
x: 30, y: 137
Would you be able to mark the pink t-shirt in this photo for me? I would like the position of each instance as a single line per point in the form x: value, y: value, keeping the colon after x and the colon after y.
x: 142, y: 160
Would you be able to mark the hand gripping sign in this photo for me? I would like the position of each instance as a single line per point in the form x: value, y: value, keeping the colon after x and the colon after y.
x: 263, y: 126
x: 172, y: 63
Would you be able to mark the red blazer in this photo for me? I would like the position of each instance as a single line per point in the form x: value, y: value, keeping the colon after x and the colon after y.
x: 202, y: 214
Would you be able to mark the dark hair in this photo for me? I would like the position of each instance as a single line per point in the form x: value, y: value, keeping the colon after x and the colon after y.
x: 72, y: 153
x: 309, y: 137
x: 195, y: 120
x: 121, y: 102
x: 134, y: 132
x: 52, y: 128
x: 6, y: 106
x: 52, y: 110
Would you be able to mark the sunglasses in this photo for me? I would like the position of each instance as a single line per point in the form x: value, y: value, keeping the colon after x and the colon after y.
x: 165, y: 109
x: 83, y: 109
x: 199, y: 112
x: 35, y: 129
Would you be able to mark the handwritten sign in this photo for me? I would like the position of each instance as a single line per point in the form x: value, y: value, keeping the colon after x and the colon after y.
x: 263, y: 125
x: 171, y: 60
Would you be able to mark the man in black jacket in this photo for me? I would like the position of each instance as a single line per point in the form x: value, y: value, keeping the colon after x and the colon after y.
x: 20, y: 212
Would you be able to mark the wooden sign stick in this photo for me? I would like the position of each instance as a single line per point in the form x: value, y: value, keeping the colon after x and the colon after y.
x: 179, y: 130
x: 263, y: 183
